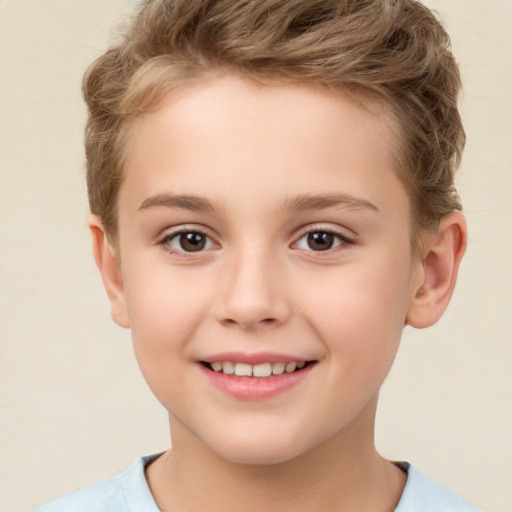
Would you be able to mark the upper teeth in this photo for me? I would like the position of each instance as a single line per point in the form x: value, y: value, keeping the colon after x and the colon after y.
x: 256, y: 370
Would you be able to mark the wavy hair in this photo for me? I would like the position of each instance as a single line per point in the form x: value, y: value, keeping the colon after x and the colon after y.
x: 392, y: 49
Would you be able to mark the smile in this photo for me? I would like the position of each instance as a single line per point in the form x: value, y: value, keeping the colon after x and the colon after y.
x: 246, y: 381
x: 262, y: 370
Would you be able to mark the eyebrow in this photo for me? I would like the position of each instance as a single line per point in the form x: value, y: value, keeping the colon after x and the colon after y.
x: 308, y: 202
x: 304, y: 202
x: 183, y: 201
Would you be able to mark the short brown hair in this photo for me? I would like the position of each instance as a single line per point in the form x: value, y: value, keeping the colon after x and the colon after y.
x: 395, y: 49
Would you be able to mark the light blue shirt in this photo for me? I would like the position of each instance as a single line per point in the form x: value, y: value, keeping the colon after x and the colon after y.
x: 129, y: 492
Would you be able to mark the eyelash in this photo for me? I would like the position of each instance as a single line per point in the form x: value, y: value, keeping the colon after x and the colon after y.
x: 342, y: 239
x: 166, y: 240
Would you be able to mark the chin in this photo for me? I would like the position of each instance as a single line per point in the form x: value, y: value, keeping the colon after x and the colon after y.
x: 258, y: 450
x: 258, y: 457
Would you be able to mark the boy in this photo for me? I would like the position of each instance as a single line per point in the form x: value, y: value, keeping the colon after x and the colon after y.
x: 271, y: 187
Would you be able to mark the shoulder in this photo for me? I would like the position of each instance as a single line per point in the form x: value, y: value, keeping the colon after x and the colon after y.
x: 123, y: 493
x: 100, y: 497
x: 423, y: 495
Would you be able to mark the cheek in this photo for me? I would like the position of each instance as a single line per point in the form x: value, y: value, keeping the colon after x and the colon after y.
x: 165, y: 310
x: 161, y: 322
x: 163, y: 303
x: 360, y: 309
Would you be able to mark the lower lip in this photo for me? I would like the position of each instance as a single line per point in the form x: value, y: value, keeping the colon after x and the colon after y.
x: 255, y: 388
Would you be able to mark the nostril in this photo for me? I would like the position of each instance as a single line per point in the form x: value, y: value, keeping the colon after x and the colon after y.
x: 250, y: 323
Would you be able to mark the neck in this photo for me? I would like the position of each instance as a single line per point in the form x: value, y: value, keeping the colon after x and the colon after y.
x: 343, y: 473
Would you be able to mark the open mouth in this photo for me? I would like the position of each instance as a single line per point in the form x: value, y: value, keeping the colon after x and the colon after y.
x: 262, y: 370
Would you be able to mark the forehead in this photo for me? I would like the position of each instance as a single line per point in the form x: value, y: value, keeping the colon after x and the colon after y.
x: 229, y: 131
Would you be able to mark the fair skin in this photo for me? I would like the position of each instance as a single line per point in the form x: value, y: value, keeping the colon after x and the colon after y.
x: 266, y: 225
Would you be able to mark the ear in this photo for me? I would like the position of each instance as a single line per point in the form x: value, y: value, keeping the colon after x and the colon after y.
x: 107, y: 260
x: 442, y: 254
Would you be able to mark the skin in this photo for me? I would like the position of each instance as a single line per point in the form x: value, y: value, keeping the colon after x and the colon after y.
x: 249, y: 154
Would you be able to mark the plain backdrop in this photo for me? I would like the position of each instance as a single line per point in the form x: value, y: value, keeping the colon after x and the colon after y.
x: 74, y: 408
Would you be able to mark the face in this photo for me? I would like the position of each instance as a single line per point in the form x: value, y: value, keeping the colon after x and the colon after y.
x: 266, y: 264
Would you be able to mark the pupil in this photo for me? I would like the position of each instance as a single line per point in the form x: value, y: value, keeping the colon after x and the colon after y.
x: 320, y: 241
x: 192, y: 242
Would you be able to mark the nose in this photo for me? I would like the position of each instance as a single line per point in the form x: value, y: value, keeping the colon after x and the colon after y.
x: 253, y: 292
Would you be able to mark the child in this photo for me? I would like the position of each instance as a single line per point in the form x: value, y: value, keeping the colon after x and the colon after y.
x: 271, y: 187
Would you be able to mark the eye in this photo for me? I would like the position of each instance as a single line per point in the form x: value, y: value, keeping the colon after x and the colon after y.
x: 321, y: 240
x: 187, y: 241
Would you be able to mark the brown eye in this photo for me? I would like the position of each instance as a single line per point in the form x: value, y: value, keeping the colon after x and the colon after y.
x: 192, y: 242
x: 187, y: 242
x: 320, y: 241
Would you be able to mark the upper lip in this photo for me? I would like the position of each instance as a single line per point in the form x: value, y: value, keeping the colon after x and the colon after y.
x: 253, y: 359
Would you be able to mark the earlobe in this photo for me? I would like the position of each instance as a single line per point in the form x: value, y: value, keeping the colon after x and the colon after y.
x: 107, y: 261
x: 440, y: 264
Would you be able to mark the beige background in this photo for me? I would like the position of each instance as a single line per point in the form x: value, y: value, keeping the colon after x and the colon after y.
x: 73, y: 406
